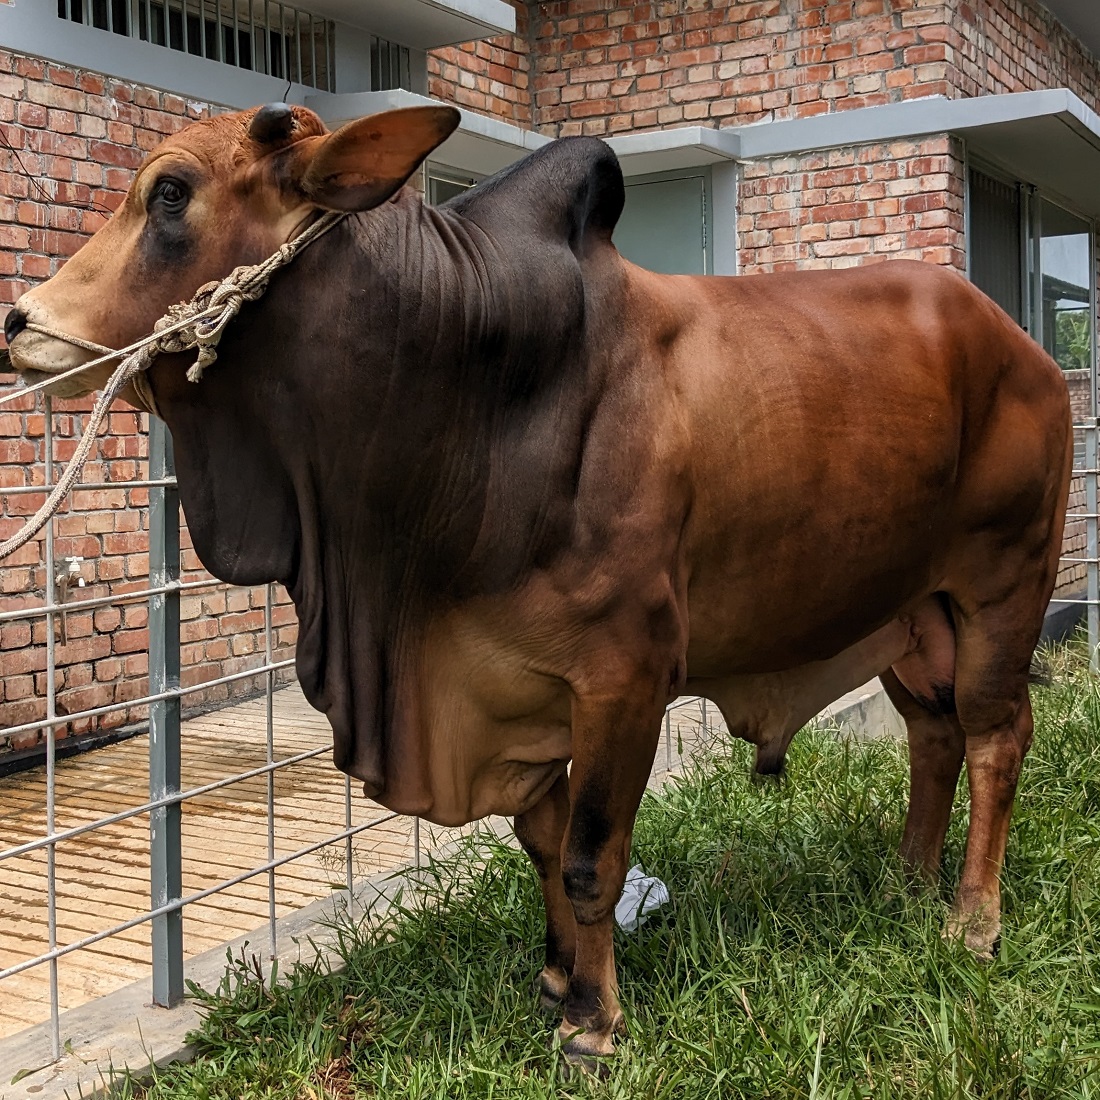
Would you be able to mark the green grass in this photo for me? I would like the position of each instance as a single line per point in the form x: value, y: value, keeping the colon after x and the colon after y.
x: 793, y: 962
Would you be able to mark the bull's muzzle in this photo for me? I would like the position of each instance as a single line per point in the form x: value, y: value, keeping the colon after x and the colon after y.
x: 36, y: 356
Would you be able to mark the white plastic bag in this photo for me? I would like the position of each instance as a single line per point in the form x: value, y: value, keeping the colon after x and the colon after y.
x: 641, y: 895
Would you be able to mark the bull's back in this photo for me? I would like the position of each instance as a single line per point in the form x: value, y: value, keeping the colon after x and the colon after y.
x: 847, y: 429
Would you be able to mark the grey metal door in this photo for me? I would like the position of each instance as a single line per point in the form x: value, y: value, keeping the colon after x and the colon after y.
x: 664, y: 225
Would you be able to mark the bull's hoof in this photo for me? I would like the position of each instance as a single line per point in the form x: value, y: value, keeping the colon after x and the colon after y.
x: 587, y: 1053
x: 575, y: 1065
x: 767, y: 779
x: 980, y: 934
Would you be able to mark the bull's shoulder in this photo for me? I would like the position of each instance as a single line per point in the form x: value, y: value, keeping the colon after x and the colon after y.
x: 570, y: 191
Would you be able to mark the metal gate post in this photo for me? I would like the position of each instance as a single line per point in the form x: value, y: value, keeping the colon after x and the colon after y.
x: 1091, y: 500
x: 165, y: 867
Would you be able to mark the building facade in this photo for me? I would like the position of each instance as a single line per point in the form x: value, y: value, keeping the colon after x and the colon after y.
x: 755, y: 136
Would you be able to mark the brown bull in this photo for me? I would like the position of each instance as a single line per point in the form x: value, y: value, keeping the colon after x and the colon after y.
x: 524, y: 493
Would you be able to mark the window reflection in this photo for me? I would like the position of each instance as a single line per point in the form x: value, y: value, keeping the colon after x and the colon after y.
x: 1064, y: 267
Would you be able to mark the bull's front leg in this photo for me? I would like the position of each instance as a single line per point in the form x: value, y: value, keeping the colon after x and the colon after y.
x: 615, y: 738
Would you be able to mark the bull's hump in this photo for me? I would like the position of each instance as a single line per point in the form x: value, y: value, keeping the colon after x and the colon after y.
x: 570, y: 190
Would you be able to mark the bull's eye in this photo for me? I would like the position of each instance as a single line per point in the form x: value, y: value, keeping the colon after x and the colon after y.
x: 170, y: 195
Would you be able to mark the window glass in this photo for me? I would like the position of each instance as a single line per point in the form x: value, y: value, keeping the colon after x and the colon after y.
x: 1064, y: 251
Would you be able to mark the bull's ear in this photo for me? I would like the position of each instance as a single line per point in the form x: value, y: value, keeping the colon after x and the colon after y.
x: 367, y: 161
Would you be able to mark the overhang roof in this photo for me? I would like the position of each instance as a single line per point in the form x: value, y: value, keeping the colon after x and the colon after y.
x: 682, y: 147
x: 1049, y: 138
x: 481, y: 145
x: 422, y: 24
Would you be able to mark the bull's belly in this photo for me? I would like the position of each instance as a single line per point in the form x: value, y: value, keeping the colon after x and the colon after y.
x: 774, y: 619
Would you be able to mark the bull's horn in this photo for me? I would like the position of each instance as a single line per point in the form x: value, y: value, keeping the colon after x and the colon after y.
x: 272, y: 123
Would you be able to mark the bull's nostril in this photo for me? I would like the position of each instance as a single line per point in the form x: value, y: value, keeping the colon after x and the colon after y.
x: 14, y: 324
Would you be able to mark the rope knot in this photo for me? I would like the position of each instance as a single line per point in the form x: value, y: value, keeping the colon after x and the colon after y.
x: 201, y: 322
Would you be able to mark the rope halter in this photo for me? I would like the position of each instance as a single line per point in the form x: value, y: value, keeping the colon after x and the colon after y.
x: 197, y: 324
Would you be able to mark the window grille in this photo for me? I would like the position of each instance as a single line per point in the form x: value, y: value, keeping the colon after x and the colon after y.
x: 390, y: 66
x: 263, y: 36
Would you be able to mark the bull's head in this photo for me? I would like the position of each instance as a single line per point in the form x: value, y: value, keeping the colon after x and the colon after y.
x: 222, y: 193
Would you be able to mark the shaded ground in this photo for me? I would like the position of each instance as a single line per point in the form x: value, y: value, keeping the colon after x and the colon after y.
x: 794, y: 962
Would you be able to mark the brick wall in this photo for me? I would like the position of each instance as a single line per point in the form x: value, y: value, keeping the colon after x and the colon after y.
x: 1016, y: 46
x: 492, y: 77
x: 79, y: 137
x: 900, y: 199
x: 603, y: 68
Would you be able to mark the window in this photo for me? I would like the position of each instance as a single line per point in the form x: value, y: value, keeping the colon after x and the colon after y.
x: 390, y: 66
x: 996, y: 256
x: 1064, y: 257
x: 444, y: 184
x: 260, y: 35
x: 1035, y: 260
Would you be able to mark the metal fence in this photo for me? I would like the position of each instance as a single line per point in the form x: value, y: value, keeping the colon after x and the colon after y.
x: 168, y: 898
x: 166, y: 795
x: 1086, y: 472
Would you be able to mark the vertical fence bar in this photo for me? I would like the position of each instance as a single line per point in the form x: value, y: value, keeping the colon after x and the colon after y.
x: 1091, y: 498
x: 298, y: 44
x: 1092, y: 571
x: 330, y: 63
x: 51, y: 741
x: 348, y: 854
x: 166, y: 874
x: 269, y: 691
x: 285, y: 45
x: 416, y: 842
x: 668, y: 740
x: 313, y: 54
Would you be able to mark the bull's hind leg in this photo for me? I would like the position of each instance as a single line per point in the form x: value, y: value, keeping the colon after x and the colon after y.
x: 541, y: 831
x: 936, y: 747
x: 994, y: 709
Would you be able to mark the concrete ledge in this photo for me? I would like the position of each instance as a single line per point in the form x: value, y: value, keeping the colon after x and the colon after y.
x: 481, y: 145
x: 1063, y: 618
x: 866, y: 713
